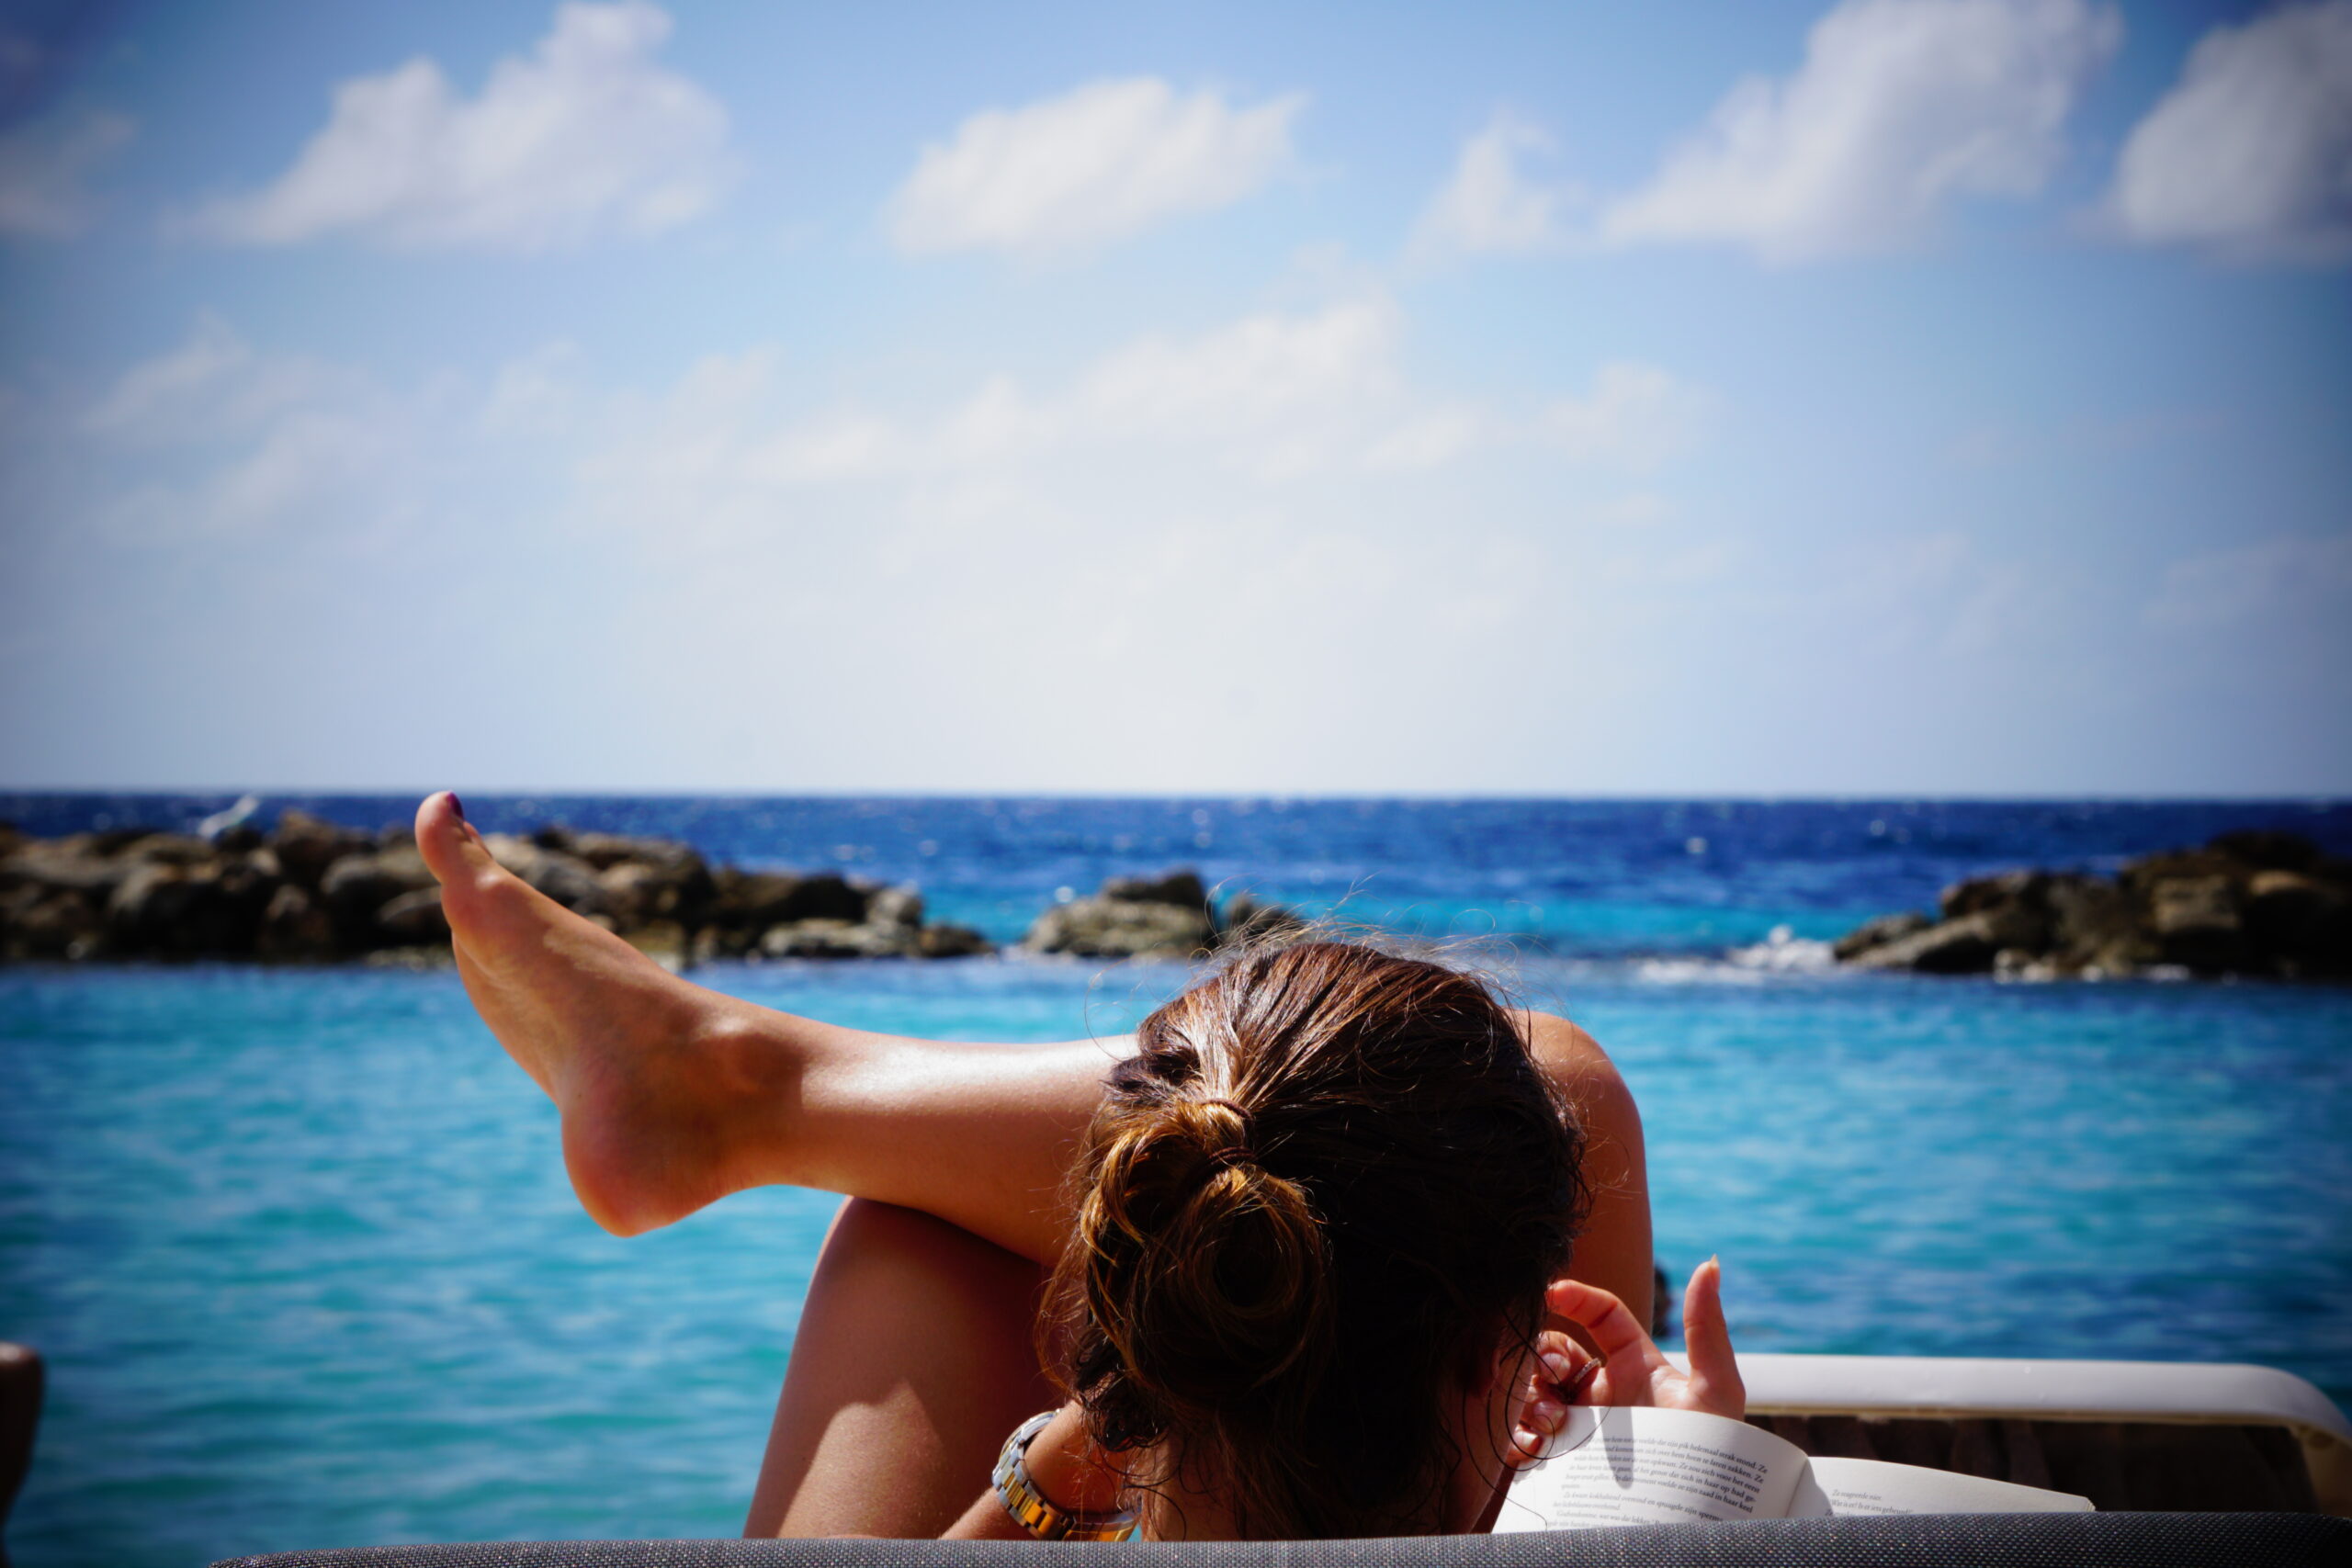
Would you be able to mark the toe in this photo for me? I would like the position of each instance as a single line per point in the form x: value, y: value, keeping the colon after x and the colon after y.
x: 453, y: 852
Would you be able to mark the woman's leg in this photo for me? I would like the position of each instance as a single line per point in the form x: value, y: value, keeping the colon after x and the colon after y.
x: 673, y: 1096
x: 910, y: 1364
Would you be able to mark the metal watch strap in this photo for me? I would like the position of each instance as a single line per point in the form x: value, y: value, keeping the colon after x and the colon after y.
x: 1032, y: 1509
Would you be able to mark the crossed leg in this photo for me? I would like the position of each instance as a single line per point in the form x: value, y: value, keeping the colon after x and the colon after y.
x: 912, y: 1357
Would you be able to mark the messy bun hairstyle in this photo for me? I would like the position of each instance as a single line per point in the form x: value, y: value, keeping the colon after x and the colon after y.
x: 1310, y: 1206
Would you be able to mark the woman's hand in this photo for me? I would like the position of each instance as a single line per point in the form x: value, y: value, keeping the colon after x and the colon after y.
x: 1630, y: 1369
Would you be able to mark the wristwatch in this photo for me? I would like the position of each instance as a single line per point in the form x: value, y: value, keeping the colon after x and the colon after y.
x: 1037, y: 1513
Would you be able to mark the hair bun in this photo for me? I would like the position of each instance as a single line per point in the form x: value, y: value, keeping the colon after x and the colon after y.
x: 1221, y: 1127
x: 1212, y: 1267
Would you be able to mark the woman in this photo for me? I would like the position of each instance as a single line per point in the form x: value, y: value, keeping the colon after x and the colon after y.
x: 913, y: 1359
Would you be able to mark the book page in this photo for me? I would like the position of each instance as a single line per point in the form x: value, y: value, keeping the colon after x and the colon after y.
x: 1642, y: 1466
x: 1874, y: 1486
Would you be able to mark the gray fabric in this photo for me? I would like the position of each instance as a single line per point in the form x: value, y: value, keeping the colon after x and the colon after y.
x: 2004, y: 1540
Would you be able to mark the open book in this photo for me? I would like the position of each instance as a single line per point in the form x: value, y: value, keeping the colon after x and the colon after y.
x: 1641, y: 1465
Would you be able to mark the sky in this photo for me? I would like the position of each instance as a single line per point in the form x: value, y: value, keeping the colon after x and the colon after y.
x: 1895, y: 397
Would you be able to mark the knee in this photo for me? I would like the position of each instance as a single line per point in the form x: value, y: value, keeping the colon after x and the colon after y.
x: 868, y: 1222
x: 910, y: 1243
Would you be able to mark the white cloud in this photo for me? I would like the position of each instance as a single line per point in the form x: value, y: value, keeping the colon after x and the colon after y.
x: 43, y: 167
x: 216, y: 437
x: 212, y: 386
x: 1271, y: 399
x: 1194, y: 534
x: 538, y: 394
x: 1489, y: 205
x: 2250, y: 153
x: 1215, y: 533
x: 1637, y: 416
x: 1095, y: 165
x: 1901, y: 105
x: 586, y: 135
x: 2292, y: 578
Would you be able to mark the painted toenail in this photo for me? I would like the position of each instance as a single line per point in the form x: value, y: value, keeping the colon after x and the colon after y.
x: 459, y: 804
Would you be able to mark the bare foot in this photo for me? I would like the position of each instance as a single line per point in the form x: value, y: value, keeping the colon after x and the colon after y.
x: 654, y: 1076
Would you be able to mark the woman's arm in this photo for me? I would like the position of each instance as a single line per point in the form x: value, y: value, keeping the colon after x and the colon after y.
x: 1063, y: 1465
x: 1614, y: 1252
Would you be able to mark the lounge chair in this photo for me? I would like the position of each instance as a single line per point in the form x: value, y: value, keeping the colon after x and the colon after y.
x: 2188, y: 1464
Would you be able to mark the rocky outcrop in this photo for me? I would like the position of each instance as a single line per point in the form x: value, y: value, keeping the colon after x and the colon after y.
x: 2253, y: 902
x: 311, y: 891
x: 1157, y: 918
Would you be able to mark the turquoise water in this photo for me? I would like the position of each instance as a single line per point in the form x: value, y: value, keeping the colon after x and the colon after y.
x: 299, y: 1250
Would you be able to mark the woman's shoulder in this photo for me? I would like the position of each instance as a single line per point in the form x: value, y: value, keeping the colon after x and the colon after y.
x: 1575, y: 1063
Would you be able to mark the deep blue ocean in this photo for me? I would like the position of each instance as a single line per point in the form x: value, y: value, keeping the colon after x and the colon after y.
x: 298, y: 1247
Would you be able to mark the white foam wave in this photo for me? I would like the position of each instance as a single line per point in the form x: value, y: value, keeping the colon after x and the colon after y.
x: 1785, y: 952
x: 1781, y: 953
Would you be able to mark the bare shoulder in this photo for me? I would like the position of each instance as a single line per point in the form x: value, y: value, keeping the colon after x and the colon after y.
x: 1578, y: 1068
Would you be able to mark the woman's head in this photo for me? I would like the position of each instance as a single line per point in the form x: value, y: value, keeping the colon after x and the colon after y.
x: 1326, y: 1191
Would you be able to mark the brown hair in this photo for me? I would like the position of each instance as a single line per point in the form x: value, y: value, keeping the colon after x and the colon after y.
x: 1325, y: 1187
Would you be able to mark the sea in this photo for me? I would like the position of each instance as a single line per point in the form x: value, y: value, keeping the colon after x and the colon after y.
x: 297, y: 1247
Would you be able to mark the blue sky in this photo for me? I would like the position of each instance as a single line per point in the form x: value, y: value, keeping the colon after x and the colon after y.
x: 1901, y: 396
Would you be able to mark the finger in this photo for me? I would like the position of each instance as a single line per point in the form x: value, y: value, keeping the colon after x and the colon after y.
x: 1565, y: 1366
x: 1714, y: 1372
x: 1541, y: 1419
x: 1615, y: 1331
x: 1526, y: 1447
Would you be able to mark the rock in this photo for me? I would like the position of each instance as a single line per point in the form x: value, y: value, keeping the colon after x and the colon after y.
x: 2196, y: 922
x: 178, y: 910
x: 2016, y: 963
x: 1965, y: 946
x: 2096, y: 926
x: 1878, y: 933
x: 1165, y: 917
x: 43, y: 922
x: 307, y: 845
x: 413, y: 919
x: 171, y: 849
x: 238, y: 838
x: 294, y: 928
x: 2247, y: 903
x: 764, y: 898
x: 2022, y: 901
x: 951, y: 942
x: 2267, y: 850
x: 2140, y: 877
x: 315, y: 891
x: 1248, y: 921
x: 355, y: 886
x: 635, y: 891
x: 836, y: 939
x: 604, y: 850
x: 1112, y: 925
x: 64, y: 863
x: 1980, y: 893
x: 892, y: 927
x: 1182, y: 888
x: 107, y: 842
x: 895, y: 909
x: 562, y: 876
x: 2299, y: 923
x: 726, y: 941
x: 666, y: 941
